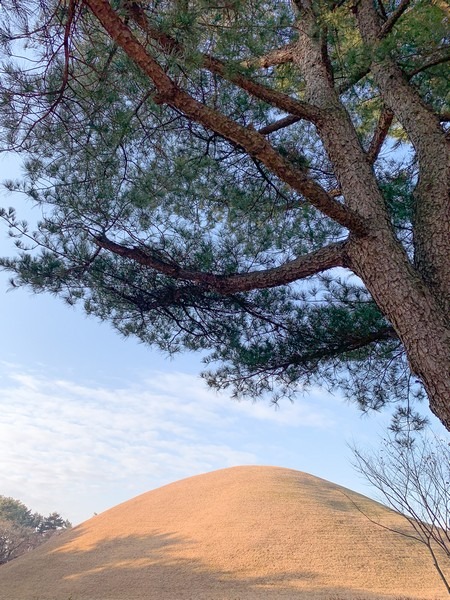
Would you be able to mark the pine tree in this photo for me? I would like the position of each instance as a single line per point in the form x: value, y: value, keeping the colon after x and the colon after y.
x: 266, y: 181
x: 22, y: 531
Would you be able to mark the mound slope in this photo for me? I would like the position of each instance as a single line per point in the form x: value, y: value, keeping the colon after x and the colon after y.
x: 243, y: 533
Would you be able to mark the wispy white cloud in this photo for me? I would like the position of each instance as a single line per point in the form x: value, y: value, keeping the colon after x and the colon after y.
x: 311, y: 413
x: 83, y: 446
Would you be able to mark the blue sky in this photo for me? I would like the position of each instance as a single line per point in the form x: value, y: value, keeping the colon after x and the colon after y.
x: 89, y: 419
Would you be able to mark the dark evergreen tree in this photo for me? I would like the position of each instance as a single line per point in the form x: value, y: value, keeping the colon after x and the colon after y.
x: 16, y: 512
x: 53, y: 522
x: 266, y: 181
x: 22, y: 531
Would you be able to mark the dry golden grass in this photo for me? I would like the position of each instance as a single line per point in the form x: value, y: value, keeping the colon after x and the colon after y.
x: 245, y: 533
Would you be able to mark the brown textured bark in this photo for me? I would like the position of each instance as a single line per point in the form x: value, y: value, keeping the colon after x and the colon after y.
x: 417, y: 318
x: 330, y: 256
x: 378, y: 258
x: 432, y: 211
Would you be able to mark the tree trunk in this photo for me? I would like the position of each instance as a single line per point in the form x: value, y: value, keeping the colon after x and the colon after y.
x: 409, y: 299
x: 432, y: 207
x: 417, y: 318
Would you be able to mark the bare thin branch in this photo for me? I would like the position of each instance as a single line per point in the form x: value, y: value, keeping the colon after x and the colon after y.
x: 71, y: 15
x: 344, y: 86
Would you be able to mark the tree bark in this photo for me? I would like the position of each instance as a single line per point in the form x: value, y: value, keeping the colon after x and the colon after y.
x: 432, y: 208
x: 401, y: 292
x: 417, y: 318
x: 325, y: 258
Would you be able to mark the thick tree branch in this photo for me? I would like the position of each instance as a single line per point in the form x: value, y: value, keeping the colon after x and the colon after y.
x: 279, y: 56
x: 253, y: 142
x: 337, y: 131
x: 380, y: 134
x: 277, y: 125
x: 432, y: 208
x: 432, y: 62
x: 349, y: 343
x: 284, y: 102
x: 395, y: 16
x: 304, y: 266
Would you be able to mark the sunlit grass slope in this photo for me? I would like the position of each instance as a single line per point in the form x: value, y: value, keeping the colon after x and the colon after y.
x: 244, y: 533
